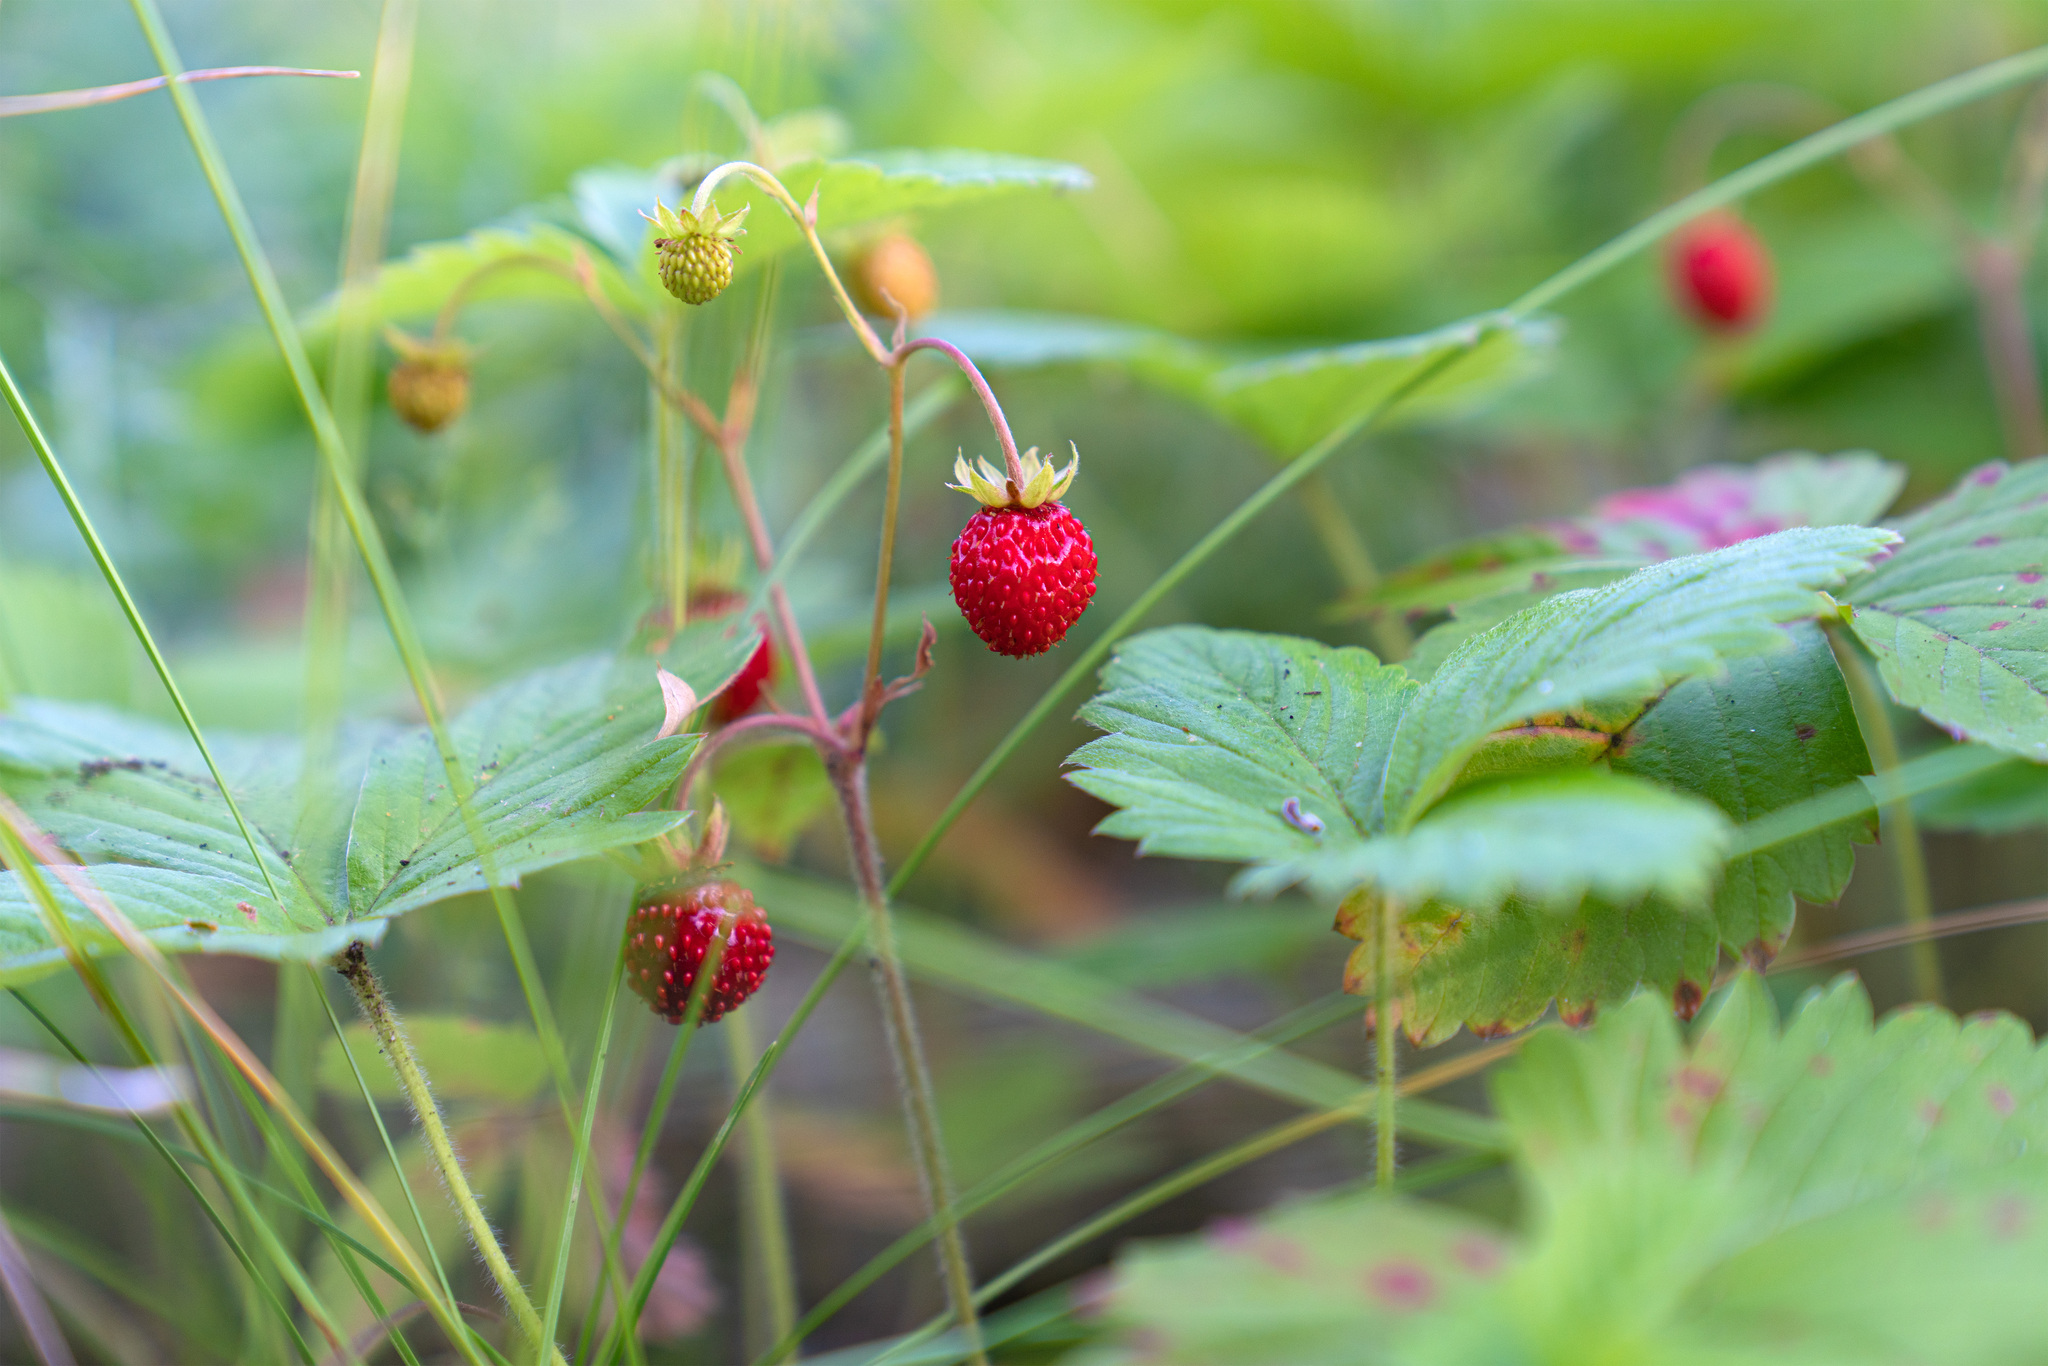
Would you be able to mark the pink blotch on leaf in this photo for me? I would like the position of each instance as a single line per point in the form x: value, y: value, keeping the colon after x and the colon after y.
x: 1985, y: 540
x: 2000, y: 1099
x: 1401, y: 1285
x: 1480, y: 1256
x: 1990, y: 474
x: 2000, y: 625
x: 2029, y: 576
x: 2008, y: 1217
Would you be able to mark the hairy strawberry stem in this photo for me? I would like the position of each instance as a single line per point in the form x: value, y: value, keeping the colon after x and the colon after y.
x: 1386, y: 1025
x: 354, y: 965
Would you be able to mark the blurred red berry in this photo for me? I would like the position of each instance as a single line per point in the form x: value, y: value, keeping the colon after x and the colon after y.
x: 670, y: 935
x: 1720, y: 273
x: 741, y: 695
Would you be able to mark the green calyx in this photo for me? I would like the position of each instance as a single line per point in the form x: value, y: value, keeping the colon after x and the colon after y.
x: 681, y: 224
x: 1043, y: 480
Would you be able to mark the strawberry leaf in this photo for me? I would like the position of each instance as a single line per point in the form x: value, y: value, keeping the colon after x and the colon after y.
x: 1214, y: 733
x: 1958, y: 618
x: 1631, y: 639
x: 562, y: 761
x: 1834, y: 1190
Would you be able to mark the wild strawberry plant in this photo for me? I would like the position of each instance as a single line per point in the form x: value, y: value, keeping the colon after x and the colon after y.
x: 1590, y: 765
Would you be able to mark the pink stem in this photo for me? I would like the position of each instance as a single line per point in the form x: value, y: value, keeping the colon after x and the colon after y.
x: 1011, y: 463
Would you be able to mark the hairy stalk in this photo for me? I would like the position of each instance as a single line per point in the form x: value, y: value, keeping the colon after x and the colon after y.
x: 766, y: 1222
x: 1901, y: 829
x: 732, y: 452
x: 849, y: 777
x: 353, y: 964
x: 1345, y: 544
x: 1386, y: 1031
x: 672, y: 481
x: 412, y: 1203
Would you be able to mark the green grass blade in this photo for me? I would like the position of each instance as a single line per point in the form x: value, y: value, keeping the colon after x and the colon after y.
x: 566, y: 1237
x: 981, y: 967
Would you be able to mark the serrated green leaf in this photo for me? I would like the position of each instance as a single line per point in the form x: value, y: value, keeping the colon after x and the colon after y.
x: 1775, y: 730
x: 562, y: 761
x: 1550, y: 839
x: 1292, y: 401
x: 1213, y: 733
x: 1634, y: 638
x: 1830, y: 1192
x: 1958, y: 618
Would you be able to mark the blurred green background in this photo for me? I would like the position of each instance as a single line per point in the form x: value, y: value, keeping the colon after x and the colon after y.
x: 1268, y: 174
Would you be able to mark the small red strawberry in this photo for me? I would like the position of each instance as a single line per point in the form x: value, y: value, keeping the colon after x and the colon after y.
x: 695, y: 250
x: 670, y: 934
x: 743, y: 694
x: 1023, y: 567
x: 1720, y: 273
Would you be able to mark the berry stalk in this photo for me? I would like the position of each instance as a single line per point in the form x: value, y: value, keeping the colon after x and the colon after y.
x: 354, y: 965
x: 1386, y: 1025
x: 849, y: 778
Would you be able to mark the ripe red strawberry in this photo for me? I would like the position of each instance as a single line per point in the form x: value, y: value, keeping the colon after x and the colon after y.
x: 694, y: 252
x: 1720, y: 273
x: 670, y: 934
x: 743, y: 694
x: 1023, y: 567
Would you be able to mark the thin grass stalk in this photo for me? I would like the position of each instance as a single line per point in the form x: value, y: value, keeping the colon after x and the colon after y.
x: 1902, y: 830
x: 765, y: 1221
x: 31, y: 1310
x: 1352, y: 558
x: 267, y: 1292
x: 287, y: 1160
x: 565, y: 1238
x: 686, y: 1199
x: 18, y: 855
x: 1386, y: 1038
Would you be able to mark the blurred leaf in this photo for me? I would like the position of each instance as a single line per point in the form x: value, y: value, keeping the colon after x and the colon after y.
x: 1831, y: 1192
x: 52, y: 1080
x: 416, y: 285
x: 1213, y: 733
x: 1958, y: 617
x: 1631, y: 639
x: 562, y: 759
x: 1706, y: 508
x: 1290, y: 402
x: 2012, y: 796
x: 62, y: 635
x: 468, y: 1059
x: 772, y: 792
x: 1550, y: 839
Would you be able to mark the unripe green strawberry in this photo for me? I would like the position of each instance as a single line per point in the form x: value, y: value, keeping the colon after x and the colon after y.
x: 670, y: 935
x: 1023, y: 568
x: 429, y: 387
x: 694, y: 252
